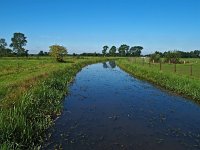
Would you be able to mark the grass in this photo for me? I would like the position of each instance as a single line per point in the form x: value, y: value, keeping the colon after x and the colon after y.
x: 31, y: 95
x: 179, y: 83
x: 181, y: 69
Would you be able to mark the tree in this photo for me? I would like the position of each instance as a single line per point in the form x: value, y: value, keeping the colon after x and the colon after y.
x: 105, y: 48
x: 26, y: 53
x: 136, y: 51
x: 123, y: 49
x: 127, y: 50
x: 46, y: 54
x: 41, y: 53
x: 172, y: 57
x: 3, y: 45
x: 58, y: 52
x: 155, y: 57
x: 112, y: 50
x: 18, y: 43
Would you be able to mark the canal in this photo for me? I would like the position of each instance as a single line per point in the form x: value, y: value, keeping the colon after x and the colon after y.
x: 107, y: 109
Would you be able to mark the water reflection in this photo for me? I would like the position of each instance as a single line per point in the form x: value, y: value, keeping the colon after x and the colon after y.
x: 109, y: 110
x: 105, y: 65
x: 110, y: 64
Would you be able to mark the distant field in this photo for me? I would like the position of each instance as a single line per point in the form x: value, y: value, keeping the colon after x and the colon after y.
x: 23, y: 72
x: 181, y: 69
x: 18, y: 71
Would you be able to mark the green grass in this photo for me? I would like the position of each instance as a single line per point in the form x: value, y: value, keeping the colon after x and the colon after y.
x: 181, y: 69
x: 31, y: 97
x: 178, y: 83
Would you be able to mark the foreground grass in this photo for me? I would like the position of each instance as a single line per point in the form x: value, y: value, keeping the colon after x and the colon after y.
x: 40, y: 88
x: 183, y: 85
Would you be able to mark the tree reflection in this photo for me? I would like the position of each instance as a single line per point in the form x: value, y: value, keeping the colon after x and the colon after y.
x: 112, y: 64
x: 105, y: 65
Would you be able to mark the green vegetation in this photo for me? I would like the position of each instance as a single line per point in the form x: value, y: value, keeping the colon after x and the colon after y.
x: 105, y: 48
x: 18, y: 43
x: 179, y: 83
x: 31, y: 95
x: 123, y: 50
x: 58, y: 52
x: 113, y: 50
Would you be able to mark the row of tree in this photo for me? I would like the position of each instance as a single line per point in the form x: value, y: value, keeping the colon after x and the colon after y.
x: 173, y: 56
x: 18, y: 41
x: 191, y: 54
x: 123, y: 50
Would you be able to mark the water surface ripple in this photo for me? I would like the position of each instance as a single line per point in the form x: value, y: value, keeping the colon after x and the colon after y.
x: 107, y: 109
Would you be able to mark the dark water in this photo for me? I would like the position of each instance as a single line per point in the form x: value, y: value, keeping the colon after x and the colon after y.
x: 109, y: 110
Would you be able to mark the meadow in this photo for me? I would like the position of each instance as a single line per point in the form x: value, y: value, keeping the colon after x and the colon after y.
x: 31, y: 92
x: 180, y: 82
x: 190, y: 68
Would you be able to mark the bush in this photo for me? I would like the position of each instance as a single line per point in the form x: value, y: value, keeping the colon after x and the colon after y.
x: 155, y: 58
x: 172, y: 57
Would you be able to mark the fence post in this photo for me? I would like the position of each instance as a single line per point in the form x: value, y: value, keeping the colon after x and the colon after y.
x: 149, y: 63
x: 175, y: 67
x: 160, y: 65
x: 143, y: 61
x: 191, y: 69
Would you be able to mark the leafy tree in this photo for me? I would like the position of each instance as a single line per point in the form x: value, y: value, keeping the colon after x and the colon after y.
x: 41, y: 53
x: 3, y: 45
x: 159, y: 53
x: 112, y: 50
x: 136, y: 50
x: 105, y: 48
x: 46, y: 54
x: 197, y: 53
x: 18, y: 43
x: 58, y: 52
x: 155, y: 57
x: 26, y: 53
x: 90, y: 54
x: 123, y: 49
x: 127, y: 50
x: 172, y: 57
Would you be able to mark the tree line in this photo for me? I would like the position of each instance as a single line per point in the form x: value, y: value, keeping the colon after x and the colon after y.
x: 18, y: 41
x: 173, y: 56
x: 123, y: 50
x: 16, y: 47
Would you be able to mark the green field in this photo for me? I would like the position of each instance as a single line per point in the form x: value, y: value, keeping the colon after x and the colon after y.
x: 17, y: 72
x: 31, y: 95
x: 180, y: 82
x: 181, y: 69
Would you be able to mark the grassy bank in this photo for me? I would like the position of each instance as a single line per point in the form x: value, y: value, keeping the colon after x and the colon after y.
x: 31, y: 99
x: 181, y: 69
x: 180, y: 84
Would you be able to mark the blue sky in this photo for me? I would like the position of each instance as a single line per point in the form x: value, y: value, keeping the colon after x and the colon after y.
x: 87, y: 25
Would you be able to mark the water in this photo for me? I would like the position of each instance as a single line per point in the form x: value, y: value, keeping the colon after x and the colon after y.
x: 107, y: 109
